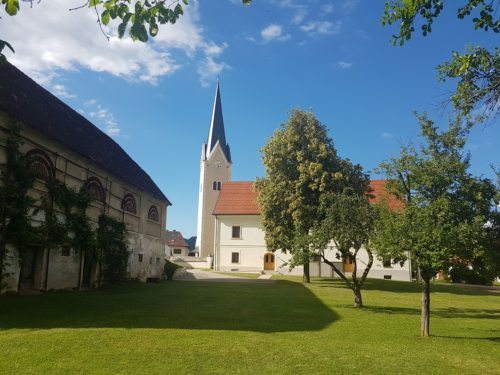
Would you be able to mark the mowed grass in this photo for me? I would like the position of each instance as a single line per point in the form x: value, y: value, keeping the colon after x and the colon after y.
x: 237, y: 328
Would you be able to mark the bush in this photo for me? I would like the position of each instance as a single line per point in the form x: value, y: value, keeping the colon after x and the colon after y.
x: 169, y: 269
x: 461, y: 273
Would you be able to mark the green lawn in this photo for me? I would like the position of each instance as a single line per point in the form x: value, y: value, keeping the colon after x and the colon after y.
x: 236, y: 328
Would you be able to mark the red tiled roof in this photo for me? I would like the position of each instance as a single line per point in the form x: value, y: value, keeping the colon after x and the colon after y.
x: 175, y: 238
x: 380, y: 195
x: 237, y: 198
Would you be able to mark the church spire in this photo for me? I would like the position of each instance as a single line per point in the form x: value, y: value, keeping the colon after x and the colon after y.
x: 216, y: 132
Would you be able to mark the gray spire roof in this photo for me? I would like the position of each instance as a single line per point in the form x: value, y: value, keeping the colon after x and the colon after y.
x: 216, y: 132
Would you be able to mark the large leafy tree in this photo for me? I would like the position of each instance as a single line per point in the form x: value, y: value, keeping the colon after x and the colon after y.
x: 142, y: 17
x: 477, y: 70
x: 301, y: 164
x: 446, y: 208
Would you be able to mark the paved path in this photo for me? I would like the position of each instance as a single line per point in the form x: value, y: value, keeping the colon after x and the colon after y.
x: 208, y: 276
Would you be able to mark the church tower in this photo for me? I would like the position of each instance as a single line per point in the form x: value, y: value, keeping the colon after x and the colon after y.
x: 215, y: 169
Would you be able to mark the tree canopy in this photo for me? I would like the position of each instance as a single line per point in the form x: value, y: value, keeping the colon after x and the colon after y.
x: 477, y: 70
x: 447, y: 209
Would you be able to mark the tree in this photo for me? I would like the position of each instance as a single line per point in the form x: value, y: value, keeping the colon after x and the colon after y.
x: 477, y: 70
x: 446, y: 208
x: 16, y: 179
x: 141, y: 18
x: 301, y: 164
x: 347, y: 220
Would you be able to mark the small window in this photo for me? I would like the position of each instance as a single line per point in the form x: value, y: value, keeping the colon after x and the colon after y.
x: 235, y: 257
x: 140, y: 257
x: 386, y: 262
x: 128, y: 204
x: 65, y: 251
x: 218, y: 185
x: 236, y: 231
x: 177, y: 251
x: 157, y: 260
x: 214, y: 185
x: 387, y: 277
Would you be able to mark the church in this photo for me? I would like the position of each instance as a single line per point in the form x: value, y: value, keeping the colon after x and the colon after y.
x: 229, y: 228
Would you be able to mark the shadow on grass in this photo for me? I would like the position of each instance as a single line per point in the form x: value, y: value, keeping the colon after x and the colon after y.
x: 450, y: 312
x: 280, y: 307
x: 494, y: 339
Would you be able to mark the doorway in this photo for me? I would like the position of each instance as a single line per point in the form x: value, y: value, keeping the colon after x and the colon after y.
x: 348, y: 264
x: 30, y: 275
x: 269, y: 262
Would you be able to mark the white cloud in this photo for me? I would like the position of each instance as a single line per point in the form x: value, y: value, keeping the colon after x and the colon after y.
x: 322, y: 27
x: 349, y: 5
x: 344, y: 64
x: 101, y: 117
x: 327, y: 8
x: 299, y: 16
x: 208, y: 68
x: 61, y: 92
x: 273, y: 32
x: 49, y: 39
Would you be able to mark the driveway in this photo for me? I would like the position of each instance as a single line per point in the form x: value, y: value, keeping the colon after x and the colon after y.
x: 209, y: 276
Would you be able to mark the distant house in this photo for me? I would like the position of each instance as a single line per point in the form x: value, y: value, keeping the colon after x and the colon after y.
x: 63, y: 145
x: 239, y: 243
x: 175, y: 244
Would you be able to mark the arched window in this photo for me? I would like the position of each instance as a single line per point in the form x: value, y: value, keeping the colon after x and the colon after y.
x: 218, y: 185
x: 153, y: 213
x: 95, y: 189
x: 214, y: 186
x: 40, y: 164
x: 128, y: 204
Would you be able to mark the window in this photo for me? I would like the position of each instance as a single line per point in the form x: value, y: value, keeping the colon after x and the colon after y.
x: 128, y: 204
x: 95, y: 189
x: 150, y: 260
x: 214, y: 185
x: 236, y: 231
x: 140, y: 257
x: 157, y: 260
x: 65, y: 251
x: 386, y: 262
x: 218, y: 185
x: 235, y: 257
x: 40, y: 164
x: 153, y: 213
x: 177, y: 251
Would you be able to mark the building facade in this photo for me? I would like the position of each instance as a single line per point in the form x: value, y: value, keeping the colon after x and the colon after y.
x: 175, y: 244
x: 239, y: 243
x: 63, y: 145
x: 215, y: 170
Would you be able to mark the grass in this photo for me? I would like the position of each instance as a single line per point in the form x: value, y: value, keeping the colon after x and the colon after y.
x: 247, y: 275
x: 236, y: 328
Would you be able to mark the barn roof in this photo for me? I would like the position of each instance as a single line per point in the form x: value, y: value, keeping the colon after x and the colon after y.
x: 25, y: 100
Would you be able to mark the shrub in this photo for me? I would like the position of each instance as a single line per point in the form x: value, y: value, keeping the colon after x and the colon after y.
x: 169, y: 269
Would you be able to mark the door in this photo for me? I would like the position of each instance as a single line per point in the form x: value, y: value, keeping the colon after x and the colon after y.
x: 31, y: 268
x: 348, y: 264
x: 269, y: 262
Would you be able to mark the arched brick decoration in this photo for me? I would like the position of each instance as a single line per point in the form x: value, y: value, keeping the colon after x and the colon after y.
x: 40, y: 164
x: 128, y: 204
x: 95, y: 189
x: 153, y: 213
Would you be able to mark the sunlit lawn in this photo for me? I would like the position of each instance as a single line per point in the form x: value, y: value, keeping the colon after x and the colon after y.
x: 230, y: 328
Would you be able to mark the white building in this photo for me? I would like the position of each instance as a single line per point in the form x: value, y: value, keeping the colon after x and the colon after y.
x: 239, y: 243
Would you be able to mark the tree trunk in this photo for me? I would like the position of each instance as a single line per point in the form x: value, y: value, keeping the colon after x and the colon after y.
x: 306, y: 278
x: 426, y: 307
x: 358, y: 300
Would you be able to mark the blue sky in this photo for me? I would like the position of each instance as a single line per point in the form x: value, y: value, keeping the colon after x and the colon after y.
x: 331, y: 57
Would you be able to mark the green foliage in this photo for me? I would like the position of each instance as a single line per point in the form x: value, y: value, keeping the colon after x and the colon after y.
x: 477, y: 70
x: 169, y: 269
x: 446, y: 209
x: 478, y: 75
x: 15, y: 203
x: 301, y: 164
x: 111, y: 248
x: 302, y: 169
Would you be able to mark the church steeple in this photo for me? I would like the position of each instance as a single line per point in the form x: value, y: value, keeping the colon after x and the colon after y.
x: 216, y: 132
